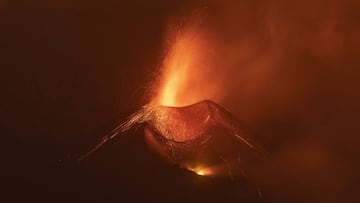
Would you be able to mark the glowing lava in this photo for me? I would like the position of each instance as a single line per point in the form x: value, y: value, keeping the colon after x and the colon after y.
x: 201, y: 171
x: 186, y: 69
x: 177, y: 68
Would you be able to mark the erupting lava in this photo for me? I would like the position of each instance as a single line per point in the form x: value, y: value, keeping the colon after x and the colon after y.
x: 186, y: 69
x: 175, y: 75
x: 196, y: 134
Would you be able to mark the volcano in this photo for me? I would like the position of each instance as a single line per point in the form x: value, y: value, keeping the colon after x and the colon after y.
x: 202, y: 137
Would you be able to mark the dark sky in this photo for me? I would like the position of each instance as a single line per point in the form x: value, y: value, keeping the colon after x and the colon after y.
x: 72, y: 70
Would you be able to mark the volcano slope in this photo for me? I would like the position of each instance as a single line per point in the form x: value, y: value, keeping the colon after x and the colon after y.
x: 202, y: 137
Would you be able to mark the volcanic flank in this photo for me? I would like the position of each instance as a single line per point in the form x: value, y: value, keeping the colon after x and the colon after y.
x: 202, y: 137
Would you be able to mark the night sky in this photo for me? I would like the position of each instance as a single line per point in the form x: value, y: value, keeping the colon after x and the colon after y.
x: 71, y: 71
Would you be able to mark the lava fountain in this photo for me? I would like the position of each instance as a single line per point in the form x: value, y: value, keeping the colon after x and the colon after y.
x: 188, y: 74
x: 182, y: 125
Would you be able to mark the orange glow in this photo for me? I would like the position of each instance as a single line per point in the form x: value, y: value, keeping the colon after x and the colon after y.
x: 200, y: 170
x: 186, y: 69
x: 177, y: 69
x: 200, y: 173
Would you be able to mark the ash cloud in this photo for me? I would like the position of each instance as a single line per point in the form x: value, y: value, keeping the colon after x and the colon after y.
x: 290, y: 70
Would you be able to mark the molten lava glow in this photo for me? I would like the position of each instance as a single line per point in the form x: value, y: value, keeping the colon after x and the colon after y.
x: 177, y: 69
x: 200, y: 173
x: 187, y: 74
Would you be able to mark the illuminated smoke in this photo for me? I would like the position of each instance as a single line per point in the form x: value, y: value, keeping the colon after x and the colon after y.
x: 288, y: 69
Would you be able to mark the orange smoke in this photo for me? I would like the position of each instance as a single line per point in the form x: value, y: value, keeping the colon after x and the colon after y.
x: 186, y: 73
